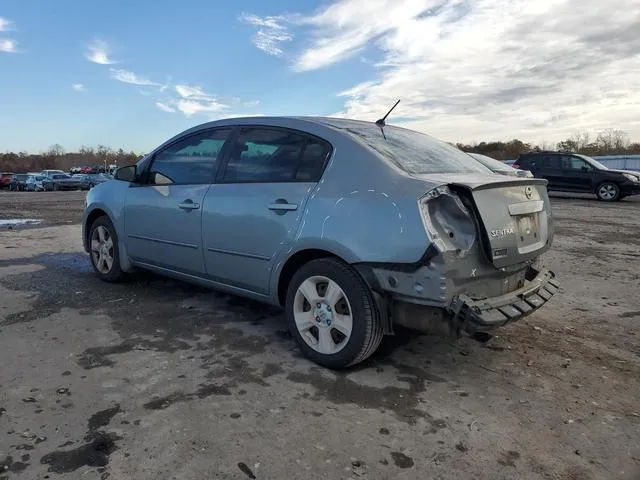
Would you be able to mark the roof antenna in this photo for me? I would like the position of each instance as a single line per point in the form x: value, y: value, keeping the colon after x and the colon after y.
x: 381, y: 122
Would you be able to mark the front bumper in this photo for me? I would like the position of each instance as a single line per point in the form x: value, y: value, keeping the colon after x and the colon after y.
x: 630, y: 189
x: 474, y: 316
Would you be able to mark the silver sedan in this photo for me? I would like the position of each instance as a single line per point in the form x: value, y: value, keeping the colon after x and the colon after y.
x: 351, y: 227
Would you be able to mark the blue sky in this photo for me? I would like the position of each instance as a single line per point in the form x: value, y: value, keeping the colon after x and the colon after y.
x: 132, y: 73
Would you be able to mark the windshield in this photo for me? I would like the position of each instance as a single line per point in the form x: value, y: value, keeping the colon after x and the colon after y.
x: 593, y: 162
x: 414, y: 152
x: 491, y: 163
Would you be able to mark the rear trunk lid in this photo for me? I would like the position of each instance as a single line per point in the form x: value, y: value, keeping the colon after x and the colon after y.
x: 513, y: 215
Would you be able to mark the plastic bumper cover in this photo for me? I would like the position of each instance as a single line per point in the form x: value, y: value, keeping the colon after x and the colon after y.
x: 482, y: 315
x: 630, y: 189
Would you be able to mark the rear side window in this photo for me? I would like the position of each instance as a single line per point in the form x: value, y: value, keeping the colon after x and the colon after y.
x: 553, y: 162
x: 189, y: 161
x: 269, y: 155
x: 415, y: 152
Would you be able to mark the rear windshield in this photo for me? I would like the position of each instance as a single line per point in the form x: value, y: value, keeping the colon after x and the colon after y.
x: 415, y: 152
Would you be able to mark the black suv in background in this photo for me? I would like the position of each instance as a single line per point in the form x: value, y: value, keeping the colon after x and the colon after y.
x: 571, y: 172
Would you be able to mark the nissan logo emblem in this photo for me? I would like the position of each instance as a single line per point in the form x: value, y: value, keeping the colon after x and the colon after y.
x: 528, y: 191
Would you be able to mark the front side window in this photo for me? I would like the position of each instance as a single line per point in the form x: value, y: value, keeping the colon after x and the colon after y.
x: 575, y: 164
x: 189, y: 161
x: 275, y: 155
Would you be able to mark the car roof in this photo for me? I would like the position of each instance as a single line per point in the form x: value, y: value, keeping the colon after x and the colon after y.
x: 336, y: 123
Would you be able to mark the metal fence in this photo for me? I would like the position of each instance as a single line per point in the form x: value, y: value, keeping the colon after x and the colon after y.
x: 620, y: 162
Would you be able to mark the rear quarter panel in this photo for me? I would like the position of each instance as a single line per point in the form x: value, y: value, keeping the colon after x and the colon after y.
x: 362, y: 210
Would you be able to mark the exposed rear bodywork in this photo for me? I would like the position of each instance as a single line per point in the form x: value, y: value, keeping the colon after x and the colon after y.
x: 482, y: 269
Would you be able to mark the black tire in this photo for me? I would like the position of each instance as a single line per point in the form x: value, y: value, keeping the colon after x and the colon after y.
x: 115, y: 274
x: 55, y: 187
x: 366, y: 333
x: 608, y: 192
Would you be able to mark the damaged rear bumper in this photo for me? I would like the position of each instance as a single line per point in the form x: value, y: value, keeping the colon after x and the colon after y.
x: 472, y: 316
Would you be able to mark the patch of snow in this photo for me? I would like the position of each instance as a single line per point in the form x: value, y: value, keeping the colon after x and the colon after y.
x: 18, y: 221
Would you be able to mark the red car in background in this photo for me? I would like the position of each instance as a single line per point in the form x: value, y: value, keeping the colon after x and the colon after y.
x: 5, y: 179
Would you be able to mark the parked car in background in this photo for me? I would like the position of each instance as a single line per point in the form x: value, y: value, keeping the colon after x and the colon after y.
x: 49, y: 173
x: 97, y: 178
x: 85, y: 169
x: 62, y: 182
x: 18, y: 182
x: 350, y: 226
x: 84, y: 181
x: 572, y: 172
x: 34, y: 182
x: 502, y: 168
x: 5, y: 179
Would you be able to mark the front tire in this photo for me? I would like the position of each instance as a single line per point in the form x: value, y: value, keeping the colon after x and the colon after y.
x: 103, y: 247
x: 331, y: 314
x: 608, y: 192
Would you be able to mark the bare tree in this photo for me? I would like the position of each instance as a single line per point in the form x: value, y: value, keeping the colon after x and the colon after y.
x: 581, y: 138
x: 55, y: 150
x: 612, y: 140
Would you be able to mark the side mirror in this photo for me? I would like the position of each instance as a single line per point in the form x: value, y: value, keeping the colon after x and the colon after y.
x: 126, y: 174
x: 585, y: 168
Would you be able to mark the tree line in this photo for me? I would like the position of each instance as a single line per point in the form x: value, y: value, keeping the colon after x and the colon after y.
x: 57, y: 158
x: 605, y: 142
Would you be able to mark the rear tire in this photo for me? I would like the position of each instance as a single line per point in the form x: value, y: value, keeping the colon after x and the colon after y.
x: 608, y: 192
x: 103, y: 250
x: 326, y: 299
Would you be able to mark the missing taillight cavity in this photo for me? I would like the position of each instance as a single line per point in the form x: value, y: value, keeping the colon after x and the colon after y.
x: 448, y: 221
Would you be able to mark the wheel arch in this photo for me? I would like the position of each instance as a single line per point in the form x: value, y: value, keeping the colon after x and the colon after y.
x: 91, y: 216
x: 293, y: 263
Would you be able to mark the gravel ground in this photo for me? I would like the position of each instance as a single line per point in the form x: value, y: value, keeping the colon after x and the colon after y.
x: 53, y: 208
x: 161, y: 380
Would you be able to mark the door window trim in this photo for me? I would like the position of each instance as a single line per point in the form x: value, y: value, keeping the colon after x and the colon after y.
x: 144, y: 175
x: 219, y: 179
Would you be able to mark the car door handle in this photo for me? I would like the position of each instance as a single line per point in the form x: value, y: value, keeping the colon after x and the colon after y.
x: 283, y: 205
x: 188, y: 205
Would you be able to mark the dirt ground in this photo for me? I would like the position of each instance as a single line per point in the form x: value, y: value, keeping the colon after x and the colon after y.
x: 156, y: 379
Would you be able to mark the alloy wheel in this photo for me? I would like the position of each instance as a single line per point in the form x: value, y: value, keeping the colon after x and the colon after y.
x: 102, y: 251
x: 608, y: 191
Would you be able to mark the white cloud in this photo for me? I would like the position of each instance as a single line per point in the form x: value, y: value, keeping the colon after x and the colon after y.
x: 472, y: 70
x: 191, y: 91
x: 190, y: 100
x: 193, y: 107
x: 165, y: 108
x: 98, y: 51
x: 126, y: 76
x: 8, y: 46
x: 271, y: 32
x: 5, y: 25
x: 78, y: 87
